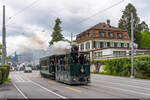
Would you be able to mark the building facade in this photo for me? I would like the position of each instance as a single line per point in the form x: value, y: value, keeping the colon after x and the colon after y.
x: 104, y: 41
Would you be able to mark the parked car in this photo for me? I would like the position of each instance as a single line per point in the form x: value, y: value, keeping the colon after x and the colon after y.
x: 27, y: 70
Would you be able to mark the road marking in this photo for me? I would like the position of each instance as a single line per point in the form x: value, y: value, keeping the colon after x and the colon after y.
x: 125, y: 84
x: 20, y: 91
x: 21, y: 78
x: 17, y: 79
x: 126, y: 79
x: 125, y: 90
x: 51, y: 82
x: 48, y: 90
x: 73, y: 89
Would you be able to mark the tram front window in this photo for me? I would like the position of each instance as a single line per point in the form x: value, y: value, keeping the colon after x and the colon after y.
x: 83, y: 59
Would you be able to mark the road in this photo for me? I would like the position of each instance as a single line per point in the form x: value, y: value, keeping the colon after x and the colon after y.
x: 32, y: 85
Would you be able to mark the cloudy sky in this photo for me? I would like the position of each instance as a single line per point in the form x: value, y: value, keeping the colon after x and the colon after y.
x: 30, y: 22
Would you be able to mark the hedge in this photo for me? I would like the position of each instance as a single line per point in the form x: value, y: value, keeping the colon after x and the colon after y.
x: 122, y: 66
x: 8, y: 69
x: 4, y: 73
x: 0, y: 76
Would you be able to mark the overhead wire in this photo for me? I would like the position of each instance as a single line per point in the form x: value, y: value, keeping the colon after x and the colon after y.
x: 99, y: 12
x: 87, y: 18
x: 22, y: 10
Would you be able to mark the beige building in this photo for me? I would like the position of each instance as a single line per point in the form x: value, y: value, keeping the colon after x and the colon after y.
x: 104, y: 41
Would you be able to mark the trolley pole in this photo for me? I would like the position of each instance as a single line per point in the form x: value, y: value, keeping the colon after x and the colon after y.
x: 132, y: 47
x: 3, y: 38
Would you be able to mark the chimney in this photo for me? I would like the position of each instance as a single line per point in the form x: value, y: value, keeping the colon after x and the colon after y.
x: 108, y: 22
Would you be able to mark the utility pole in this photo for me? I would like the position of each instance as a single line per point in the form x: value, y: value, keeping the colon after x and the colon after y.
x: 132, y: 47
x: 3, y: 38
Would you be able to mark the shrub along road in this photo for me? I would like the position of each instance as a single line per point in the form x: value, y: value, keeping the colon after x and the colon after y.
x: 31, y: 85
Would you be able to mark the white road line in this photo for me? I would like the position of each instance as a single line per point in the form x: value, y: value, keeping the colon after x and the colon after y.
x: 124, y: 84
x: 125, y: 90
x: 48, y: 90
x: 124, y: 79
x: 20, y: 78
x: 24, y: 79
x: 20, y: 91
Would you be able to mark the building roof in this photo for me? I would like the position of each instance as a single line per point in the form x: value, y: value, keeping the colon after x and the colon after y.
x: 105, y: 27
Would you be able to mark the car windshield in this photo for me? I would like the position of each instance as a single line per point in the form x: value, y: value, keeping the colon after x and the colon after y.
x: 28, y: 68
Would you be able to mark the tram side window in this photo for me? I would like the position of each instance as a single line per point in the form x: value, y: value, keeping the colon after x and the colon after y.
x: 51, y: 66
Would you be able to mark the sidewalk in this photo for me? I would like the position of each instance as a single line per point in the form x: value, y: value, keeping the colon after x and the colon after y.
x: 8, y: 90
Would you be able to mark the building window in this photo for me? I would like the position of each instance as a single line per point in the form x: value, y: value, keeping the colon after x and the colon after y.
x: 108, y: 44
x: 100, y: 54
x: 120, y: 35
x: 115, y: 44
x: 111, y: 35
x: 128, y: 45
x: 82, y: 47
x: 122, y: 45
x: 101, y: 45
x: 119, y: 53
x: 97, y: 55
x: 95, y: 44
x: 88, y: 45
x: 102, y: 34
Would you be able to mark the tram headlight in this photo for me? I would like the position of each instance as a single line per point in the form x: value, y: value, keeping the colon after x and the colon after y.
x: 82, y: 69
x: 74, y: 79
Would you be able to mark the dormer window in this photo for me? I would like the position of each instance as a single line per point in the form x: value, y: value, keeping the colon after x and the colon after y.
x: 102, y: 34
x: 111, y: 35
x: 120, y: 35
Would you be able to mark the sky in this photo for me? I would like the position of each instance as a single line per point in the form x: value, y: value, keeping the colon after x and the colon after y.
x: 29, y: 23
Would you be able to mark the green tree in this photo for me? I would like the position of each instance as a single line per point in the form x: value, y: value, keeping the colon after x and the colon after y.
x: 145, y: 41
x: 56, y: 35
x: 143, y: 26
x: 125, y: 23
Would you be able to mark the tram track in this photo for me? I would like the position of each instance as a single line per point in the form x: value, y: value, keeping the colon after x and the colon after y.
x: 19, y: 90
x: 98, y: 87
x: 21, y: 80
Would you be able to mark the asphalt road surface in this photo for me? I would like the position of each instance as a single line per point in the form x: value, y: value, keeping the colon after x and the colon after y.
x: 32, y: 85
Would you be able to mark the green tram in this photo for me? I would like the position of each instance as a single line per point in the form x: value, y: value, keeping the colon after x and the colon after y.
x: 69, y: 68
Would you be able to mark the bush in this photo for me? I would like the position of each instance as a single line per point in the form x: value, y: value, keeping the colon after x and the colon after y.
x: 4, y: 69
x: 4, y: 73
x: 8, y: 69
x: 0, y: 76
x: 143, y: 67
x: 122, y: 66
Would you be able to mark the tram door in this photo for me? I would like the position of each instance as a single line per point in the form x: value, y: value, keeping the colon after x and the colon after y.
x: 62, y: 69
x: 59, y: 68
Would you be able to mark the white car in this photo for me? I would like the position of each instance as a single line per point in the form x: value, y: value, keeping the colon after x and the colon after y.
x: 28, y: 70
